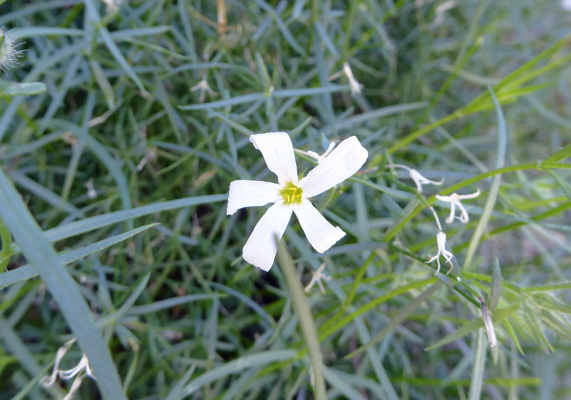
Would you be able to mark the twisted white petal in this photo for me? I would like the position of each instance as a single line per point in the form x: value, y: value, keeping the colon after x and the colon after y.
x: 261, y: 247
x: 277, y: 149
x: 419, y: 180
x: 320, y: 233
x: 246, y: 193
x: 347, y: 158
x: 353, y: 84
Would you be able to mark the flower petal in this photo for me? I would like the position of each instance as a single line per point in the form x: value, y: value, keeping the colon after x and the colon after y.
x: 341, y: 164
x: 320, y: 233
x: 261, y: 247
x: 251, y: 194
x: 278, y: 152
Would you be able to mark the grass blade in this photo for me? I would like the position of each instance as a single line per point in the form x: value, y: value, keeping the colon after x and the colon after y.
x: 479, y: 364
x: 89, y: 224
x: 401, y: 316
x: 237, y: 366
x: 27, y: 271
x: 64, y: 289
x: 495, y: 187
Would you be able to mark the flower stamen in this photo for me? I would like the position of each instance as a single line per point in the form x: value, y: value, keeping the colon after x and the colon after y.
x: 291, y: 194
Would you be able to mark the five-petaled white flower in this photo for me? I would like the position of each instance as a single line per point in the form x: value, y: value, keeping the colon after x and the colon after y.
x: 292, y: 194
x: 441, y: 242
x: 454, y: 200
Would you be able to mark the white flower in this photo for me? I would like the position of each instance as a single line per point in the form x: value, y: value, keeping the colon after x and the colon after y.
x: 292, y: 195
x: 416, y: 176
x: 441, y: 242
x: 8, y: 49
x: 566, y: 4
x: 316, y: 278
x: 454, y: 200
x: 353, y: 84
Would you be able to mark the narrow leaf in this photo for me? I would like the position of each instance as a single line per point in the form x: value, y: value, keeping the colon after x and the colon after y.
x: 496, y: 285
x: 495, y: 187
x: 27, y: 271
x: 396, y: 321
x: 479, y: 364
x: 471, y: 326
x: 62, y: 286
x: 21, y: 89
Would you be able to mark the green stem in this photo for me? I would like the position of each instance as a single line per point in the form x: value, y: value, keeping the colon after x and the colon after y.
x: 306, y: 321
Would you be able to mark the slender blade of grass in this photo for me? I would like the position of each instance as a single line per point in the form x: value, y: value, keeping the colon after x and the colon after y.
x: 28, y: 271
x: 495, y: 187
x: 478, y: 371
x: 64, y: 289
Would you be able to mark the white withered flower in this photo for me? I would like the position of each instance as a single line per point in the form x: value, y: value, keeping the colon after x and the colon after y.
x: 454, y: 200
x: 417, y: 177
x: 441, y: 243
x: 77, y: 372
x: 8, y: 49
x: 353, y: 84
x: 291, y: 194
x: 316, y: 278
x: 318, y: 157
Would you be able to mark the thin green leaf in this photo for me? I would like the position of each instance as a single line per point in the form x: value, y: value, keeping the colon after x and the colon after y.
x: 89, y: 224
x: 93, y: 15
x: 64, y: 289
x: 400, y: 317
x: 559, y: 155
x: 479, y: 363
x: 27, y: 271
x: 495, y: 187
x: 561, y: 182
x: 496, y: 290
x: 236, y: 367
x: 21, y: 89
x: 335, y: 381
x: 471, y: 326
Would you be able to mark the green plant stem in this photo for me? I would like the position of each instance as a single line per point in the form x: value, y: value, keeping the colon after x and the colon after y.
x: 305, y: 319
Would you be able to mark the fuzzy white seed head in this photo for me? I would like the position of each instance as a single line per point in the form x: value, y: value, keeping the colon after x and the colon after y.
x: 8, y: 49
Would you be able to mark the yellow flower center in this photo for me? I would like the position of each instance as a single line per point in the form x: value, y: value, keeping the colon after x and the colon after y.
x: 291, y: 194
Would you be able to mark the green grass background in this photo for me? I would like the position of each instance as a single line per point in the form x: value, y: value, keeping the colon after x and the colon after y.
x: 479, y: 95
